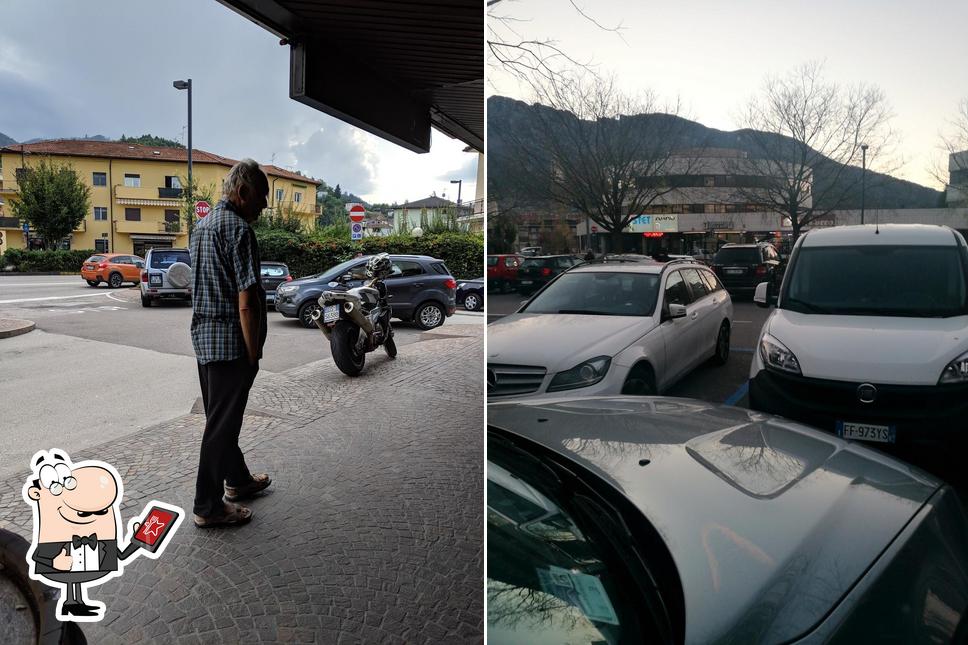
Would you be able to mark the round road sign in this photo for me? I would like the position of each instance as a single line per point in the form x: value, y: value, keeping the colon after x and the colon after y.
x: 357, y: 213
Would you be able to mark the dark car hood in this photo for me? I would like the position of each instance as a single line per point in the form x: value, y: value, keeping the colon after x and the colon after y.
x: 769, y: 522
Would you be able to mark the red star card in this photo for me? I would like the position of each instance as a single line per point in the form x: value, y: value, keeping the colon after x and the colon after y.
x: 155, y: 528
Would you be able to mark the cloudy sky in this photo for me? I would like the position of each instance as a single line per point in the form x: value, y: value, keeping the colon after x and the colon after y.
x: 71, y: 68
x: 715, y: 54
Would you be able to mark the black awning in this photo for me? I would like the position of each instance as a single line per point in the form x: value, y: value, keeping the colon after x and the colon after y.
x: 392, y: 68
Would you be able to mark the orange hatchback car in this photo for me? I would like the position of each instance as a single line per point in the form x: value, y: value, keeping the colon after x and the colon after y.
x: 113, y: 268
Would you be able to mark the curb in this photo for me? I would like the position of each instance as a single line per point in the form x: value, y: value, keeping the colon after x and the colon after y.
x: 10, y: 327
x: 43, y: 599
x: 17, y: 274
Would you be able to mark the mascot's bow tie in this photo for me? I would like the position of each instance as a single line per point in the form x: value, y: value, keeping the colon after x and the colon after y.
x: 78, y: 540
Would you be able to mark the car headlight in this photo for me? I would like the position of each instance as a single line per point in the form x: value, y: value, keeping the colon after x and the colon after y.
x: 287, y: 288
x: 956, y: 371
x: 588, y: 373
x: 775, y: 354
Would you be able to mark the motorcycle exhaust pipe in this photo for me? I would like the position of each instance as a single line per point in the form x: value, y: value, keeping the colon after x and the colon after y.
x: 356, y: 315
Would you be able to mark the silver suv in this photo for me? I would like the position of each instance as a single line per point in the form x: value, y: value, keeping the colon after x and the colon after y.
x: 167, y: 274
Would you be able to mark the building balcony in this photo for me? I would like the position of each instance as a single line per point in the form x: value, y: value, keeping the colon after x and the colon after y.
x: 149, y: 226
x: 131, y: 196
x: 169, y: 193
x: 10, y: 222
x: 82, y: 227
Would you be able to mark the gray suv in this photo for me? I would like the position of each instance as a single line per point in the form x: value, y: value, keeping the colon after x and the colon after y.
x: 167, y: 274
x: 421, y: 290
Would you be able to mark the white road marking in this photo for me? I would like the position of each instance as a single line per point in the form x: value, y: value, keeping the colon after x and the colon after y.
x: 40, y: 284
x: 87, y: 295
x: 111, y: 296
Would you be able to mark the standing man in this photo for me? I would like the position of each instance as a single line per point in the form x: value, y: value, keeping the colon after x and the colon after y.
x: 228, y: 333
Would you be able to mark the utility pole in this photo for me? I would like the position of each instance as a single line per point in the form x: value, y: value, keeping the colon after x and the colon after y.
x: 863, y: 181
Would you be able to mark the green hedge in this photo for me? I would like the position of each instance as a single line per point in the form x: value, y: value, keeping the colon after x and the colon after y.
x: 61, y: 261
x: 463, y: 252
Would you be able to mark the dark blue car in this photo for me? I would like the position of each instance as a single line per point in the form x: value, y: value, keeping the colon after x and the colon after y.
x: 421, y: 290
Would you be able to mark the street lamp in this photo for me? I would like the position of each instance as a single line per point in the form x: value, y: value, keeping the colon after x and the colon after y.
x: 187, y: 85
x: 458, y: 182
x: 863, y: 181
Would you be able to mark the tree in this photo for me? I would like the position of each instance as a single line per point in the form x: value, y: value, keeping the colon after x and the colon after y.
x: 201, y: 194
x: 502, y: 232
x: 337, y: 192
x: 593, y: 150
x: 952, y: 169
x: 806, y: 134
x: 151, y: 140
x: 52, y: 199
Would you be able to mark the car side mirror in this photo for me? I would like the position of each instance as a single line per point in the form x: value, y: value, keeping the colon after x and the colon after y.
x: 346, y: 277
x: 764, y: 296
x: 140, y: 265
x: 677, y: 311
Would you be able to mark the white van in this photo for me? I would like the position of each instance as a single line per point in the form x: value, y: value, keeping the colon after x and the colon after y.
x: 869, y: 338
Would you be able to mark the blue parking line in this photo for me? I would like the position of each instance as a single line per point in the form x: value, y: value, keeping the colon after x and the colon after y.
x: 738, y: 394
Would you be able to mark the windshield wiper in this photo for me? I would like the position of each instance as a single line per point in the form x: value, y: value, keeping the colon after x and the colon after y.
x: 812, y: 308
x: 587, y: 312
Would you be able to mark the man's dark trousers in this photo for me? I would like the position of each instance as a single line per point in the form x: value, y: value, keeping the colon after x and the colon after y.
x: 225, y: 392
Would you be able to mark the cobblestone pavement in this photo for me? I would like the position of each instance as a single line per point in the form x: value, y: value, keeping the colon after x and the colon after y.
x: 372, y: 531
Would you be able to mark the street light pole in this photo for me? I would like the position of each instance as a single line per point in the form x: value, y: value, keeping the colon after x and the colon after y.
x: 187, y: 85
x: 458, y: 182
x: 863, y: 181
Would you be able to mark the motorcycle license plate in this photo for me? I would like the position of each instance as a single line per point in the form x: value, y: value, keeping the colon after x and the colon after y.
x: 330, y: 313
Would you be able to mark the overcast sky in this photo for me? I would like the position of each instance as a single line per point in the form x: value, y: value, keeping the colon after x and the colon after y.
x: 71, y: 68
x: 715, y: 54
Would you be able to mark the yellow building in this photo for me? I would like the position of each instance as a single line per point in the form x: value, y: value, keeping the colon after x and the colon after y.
x: 135, y: 198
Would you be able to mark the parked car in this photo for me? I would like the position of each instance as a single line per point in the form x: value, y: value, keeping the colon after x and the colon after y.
x: 273, y: 274
x: 741, y: 267
x: 502, y: 272
x: 167, y: 275
x: 661, y: 520
x: 531, y: 250
x: 421, y: 289
x: 535, y: 272
x: 113, y: 268
x: 629, y: 328
x: 470, y: 294
x: 869, y: 338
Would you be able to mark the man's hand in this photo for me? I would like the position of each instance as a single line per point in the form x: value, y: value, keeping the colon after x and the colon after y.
x: 63, y: 561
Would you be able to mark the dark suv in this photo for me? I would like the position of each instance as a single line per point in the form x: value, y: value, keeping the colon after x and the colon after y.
x: 421, y: 289
x: 536, y: 272
x: 740, y: 267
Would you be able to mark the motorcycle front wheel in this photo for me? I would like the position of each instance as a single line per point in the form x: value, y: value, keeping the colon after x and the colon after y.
x: 390, y: 347
x: 343, y: 345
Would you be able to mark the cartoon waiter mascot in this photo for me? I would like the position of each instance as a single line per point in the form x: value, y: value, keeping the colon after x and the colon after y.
x: 76, y: 519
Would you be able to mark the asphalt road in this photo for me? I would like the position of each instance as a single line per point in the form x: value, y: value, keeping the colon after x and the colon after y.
x: 99, y: 365
x: 719, y: 384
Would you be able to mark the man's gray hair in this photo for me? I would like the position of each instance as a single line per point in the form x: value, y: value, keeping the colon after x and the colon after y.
x: 246, y: 172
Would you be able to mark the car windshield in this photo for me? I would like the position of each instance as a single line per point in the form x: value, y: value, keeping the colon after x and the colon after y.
x: 598, y: 293
x: 742, y: 255
x: 164, y: 259
x: 911, y: 281
x: 551, y: 578
x: 273, y: 271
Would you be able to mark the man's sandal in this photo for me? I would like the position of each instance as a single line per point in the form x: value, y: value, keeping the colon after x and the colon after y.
x: 237, y: 493
x: 237, y: 516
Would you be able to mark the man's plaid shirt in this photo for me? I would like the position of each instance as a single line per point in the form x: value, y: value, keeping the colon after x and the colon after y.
x: 225, y: 262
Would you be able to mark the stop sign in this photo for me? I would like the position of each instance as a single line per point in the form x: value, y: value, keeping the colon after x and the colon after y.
x: 357, y: 213
x: 202, y: 209
x: 594, y: 229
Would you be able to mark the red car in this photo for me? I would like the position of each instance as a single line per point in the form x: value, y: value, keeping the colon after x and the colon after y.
x: 502, y: 272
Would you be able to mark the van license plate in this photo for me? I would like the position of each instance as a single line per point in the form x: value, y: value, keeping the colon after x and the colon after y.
x: 735, y: 271
x: 866, y: 432
x: 527, y: 282
x: 331, y: 313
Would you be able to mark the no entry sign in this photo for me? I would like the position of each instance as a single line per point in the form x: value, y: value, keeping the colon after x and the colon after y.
x: 202, y: 209
x: 357, y: 213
